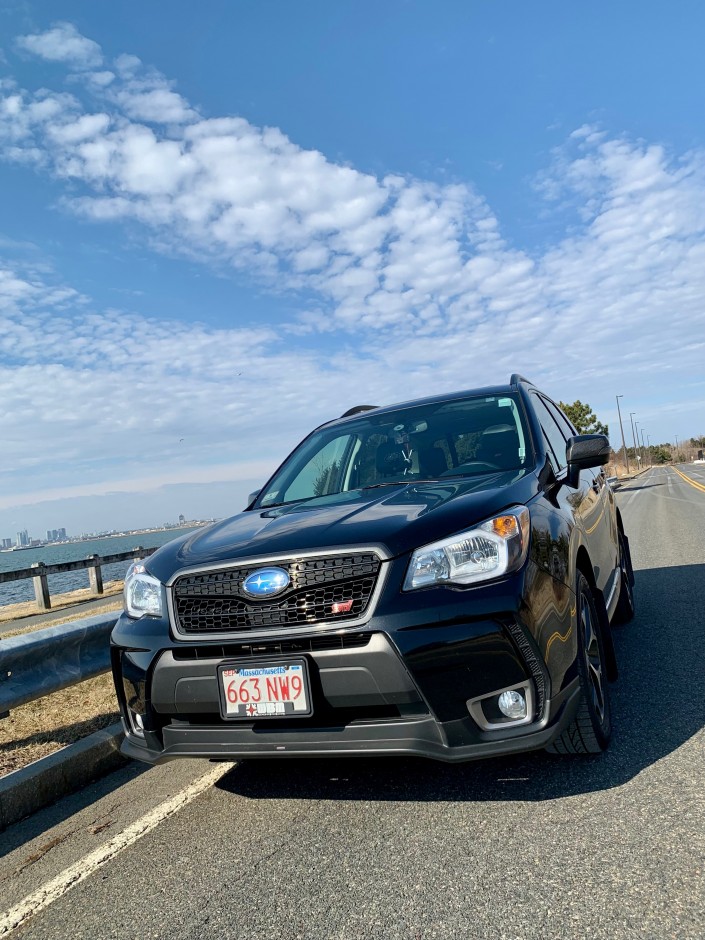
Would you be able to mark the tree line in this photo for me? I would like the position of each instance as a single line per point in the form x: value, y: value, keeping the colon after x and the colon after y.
x: 586, y: 422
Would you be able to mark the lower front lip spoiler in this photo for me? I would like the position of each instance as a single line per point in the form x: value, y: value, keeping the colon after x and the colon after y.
x: 419, y: 737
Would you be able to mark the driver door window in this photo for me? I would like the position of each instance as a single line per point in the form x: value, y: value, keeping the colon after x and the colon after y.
x: 555, y: 438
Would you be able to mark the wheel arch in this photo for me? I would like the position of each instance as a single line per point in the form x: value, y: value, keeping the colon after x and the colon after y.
x: 620, y: 524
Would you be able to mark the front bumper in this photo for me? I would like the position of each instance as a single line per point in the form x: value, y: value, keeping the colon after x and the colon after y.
x: 398, y: 685
x: 411, y: 737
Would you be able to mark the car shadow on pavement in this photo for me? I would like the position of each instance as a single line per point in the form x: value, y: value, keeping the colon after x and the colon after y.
x: 643, y: 486
x: 657, y: 705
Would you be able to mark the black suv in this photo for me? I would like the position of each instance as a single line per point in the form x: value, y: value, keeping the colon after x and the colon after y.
x: 435, y: 578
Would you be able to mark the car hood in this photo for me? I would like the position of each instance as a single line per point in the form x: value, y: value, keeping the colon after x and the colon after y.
x: 398, y: 517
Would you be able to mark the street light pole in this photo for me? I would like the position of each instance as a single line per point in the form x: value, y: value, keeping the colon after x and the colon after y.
x: 643, y: 444
x: 638, y: 444
x: 677, y: 445
x: 631, y: 418
x: 624, y: 446
x: 651, y: 457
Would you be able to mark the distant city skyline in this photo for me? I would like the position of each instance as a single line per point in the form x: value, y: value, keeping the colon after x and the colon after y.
x: 25, y: 537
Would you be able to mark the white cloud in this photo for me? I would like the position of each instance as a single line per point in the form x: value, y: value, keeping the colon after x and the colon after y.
x: 156, y: 105
x: 410, y: 282
x: 62, y: 43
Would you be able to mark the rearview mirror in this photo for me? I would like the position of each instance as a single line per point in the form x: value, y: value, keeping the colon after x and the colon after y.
x: 585, y: 451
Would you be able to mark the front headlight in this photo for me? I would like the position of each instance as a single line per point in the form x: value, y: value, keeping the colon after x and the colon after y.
x: 143, y: 593
x: 489, y: 550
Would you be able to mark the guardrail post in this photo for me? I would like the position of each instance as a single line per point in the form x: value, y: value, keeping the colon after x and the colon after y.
x: 95, y: 574
x: 41, y: 586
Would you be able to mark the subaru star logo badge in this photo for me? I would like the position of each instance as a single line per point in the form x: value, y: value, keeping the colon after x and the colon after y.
x: 265, y: 582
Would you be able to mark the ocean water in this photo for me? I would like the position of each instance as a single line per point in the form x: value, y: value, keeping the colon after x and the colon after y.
x: 13, y: 592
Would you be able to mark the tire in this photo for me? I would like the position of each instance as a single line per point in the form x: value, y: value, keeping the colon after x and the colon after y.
x: 625, y: 609
x: 591, y: 729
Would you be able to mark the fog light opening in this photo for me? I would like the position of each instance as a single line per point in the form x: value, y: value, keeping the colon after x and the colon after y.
x: 504, y: 708
x: 137, y: 723
x: 512, y: 704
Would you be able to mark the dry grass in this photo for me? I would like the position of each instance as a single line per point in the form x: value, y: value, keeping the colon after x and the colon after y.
x: 58, y: 602
x: 54, y: 721
x: 50, y: 723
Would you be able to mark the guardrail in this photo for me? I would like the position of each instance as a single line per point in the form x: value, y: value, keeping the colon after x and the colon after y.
x: 39, y: 572
x: 36, y: 664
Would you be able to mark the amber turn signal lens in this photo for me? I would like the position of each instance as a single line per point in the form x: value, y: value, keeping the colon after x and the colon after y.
x: 505, y: 526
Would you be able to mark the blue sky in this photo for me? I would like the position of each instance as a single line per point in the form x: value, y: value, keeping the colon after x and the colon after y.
x: 223, y: 223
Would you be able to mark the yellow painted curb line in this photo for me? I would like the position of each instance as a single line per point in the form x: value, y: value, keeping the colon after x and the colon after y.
x: 698, y: 486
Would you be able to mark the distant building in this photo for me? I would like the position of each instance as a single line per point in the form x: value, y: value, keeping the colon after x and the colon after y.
x: 7, y: 543
x: 56, y: 535
x: 22, y: 538
x: 182, y: 519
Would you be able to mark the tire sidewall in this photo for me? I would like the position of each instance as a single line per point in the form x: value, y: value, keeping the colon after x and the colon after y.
x: 602, y: 728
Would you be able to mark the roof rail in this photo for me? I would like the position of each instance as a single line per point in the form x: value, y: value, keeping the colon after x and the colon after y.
x: 357, y: 409
x: 516, y: 379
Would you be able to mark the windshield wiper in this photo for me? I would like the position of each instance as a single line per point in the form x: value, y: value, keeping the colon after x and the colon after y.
x: 374, y: 486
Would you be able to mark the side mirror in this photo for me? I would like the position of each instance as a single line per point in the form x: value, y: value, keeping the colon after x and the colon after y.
x: 584, y: 452
x: 252, y: 497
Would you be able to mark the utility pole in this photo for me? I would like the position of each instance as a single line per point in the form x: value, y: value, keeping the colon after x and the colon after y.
x: 677, y: 445
x: 643, y: 444
x: 638, y: 443
x: 624, y: 446
x: 651, y: 457
x: 631, y: 418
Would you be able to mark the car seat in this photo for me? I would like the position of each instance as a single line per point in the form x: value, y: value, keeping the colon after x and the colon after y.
x: 390, y: 459
x: 432, y: 461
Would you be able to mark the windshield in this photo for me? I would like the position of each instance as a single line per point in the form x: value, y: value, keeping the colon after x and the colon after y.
x: 445, y: 439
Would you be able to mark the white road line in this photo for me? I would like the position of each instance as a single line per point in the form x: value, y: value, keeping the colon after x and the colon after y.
x: 630, y: 494
x: 75, y: 874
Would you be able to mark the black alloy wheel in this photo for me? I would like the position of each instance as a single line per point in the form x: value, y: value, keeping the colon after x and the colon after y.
x: 591, y: 729
x: 625, y: 609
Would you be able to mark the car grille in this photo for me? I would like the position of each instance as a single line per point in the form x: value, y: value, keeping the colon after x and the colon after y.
x: 213, y: 602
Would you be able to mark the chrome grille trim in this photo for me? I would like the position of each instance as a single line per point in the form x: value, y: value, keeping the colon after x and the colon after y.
x: 330, y: 627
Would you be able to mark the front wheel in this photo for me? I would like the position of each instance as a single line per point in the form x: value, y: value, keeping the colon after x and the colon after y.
x: 591, y: 729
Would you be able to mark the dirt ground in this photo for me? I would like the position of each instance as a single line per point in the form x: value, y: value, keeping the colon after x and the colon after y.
x: 50, y: 723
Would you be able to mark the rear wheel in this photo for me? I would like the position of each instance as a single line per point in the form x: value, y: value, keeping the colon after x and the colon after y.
x: 590, y: 730
x: 625, y: 605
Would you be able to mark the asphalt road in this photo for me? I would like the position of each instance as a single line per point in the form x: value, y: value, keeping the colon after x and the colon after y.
x: 528, y: 847
x: 82, y: 608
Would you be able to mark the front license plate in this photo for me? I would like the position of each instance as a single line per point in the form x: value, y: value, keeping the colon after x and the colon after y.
x: 265, y: 690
